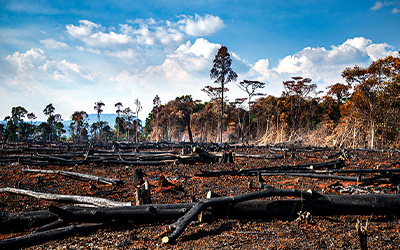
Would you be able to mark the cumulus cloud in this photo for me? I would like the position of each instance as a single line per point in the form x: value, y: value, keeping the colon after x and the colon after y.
x: 195, y: 57
x: 201, y: 26
x: 53, y: 44
x: 34, y: 66
x: 321, y: 64
x: 149, y: 32
x: 377, y: 5
x: 92, y: 35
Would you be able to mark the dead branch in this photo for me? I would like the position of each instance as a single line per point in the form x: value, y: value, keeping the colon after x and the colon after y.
x: 180, y: 225
x: 100, y: 202
x: 79, y: 176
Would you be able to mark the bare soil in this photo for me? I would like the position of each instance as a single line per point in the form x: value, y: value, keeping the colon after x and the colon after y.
x: 333, y: 232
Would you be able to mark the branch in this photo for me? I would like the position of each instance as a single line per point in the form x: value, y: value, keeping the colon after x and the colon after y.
x: 180, y: 225
x: 100, y: 202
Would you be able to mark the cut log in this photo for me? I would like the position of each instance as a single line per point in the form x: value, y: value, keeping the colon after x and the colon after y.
x: 100, y: 202
x: 39, y: 237
x: 79, y: 176
x: 179, y: 226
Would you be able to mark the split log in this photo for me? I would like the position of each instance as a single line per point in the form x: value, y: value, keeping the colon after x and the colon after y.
x: 100, y: 202
x: 79, y: 176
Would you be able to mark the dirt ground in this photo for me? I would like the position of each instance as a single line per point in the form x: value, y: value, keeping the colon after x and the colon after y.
x: 330, y: 232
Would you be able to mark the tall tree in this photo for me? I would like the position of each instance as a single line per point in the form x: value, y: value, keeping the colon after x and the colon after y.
x: 222, y: 74
x: 14, y: 122
x: 138, y: 105
x: 78, y: 125
x: 128, y: 113
x: 250, y: 87
x: 52, y: 119
x: 118, y: 105
x: 376, y: 97
x: 296, y: 91
x: 97, y: 106
x: 156, y: 108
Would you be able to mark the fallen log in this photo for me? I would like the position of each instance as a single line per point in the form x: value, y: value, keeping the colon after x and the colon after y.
x: 338, y: 163
x: 100, y: 202
x: 316, y: 204
x: 179, y: 226
x: 39, y: 237
x: 79, y: 176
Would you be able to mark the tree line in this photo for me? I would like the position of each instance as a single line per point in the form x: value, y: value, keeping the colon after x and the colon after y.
x: 361, y: 112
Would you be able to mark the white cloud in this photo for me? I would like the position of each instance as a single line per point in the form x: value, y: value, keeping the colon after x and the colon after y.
x: 322, y: 65
x: 201, y: 26
x: 33, y: 67
x: 164, y: 33
x: 195, y: 57
x: 25, y: 62
x: 129, y: 56
x: 377, y: 6
x: 261, y: 67
x: 92, y: 35
x: 53, y: 44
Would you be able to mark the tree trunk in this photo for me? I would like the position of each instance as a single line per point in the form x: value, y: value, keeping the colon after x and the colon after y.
x: 100, y: 202
x: 79, y: 176
x: 190, y: 131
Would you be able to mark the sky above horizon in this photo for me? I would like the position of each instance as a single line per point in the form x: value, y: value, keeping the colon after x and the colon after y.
x: 75, y: 53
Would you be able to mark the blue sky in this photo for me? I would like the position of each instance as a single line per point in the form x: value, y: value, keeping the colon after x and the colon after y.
x: 74, y: 53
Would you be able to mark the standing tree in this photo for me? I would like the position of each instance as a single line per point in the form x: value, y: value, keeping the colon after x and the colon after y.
x: 97, y: 107
x: 138, y: 105
x: 14, y: 122
x: 118, y: 105
x: 128, y: 119
x: 156, y: 108
x: 31, y: 116
x: 77, y: 125
x: 222, y: 74
x: 240, y: 109
x: 250, y: 88
x: 52, y: 119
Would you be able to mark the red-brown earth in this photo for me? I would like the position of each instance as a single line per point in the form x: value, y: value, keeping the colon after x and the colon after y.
x: 330, y: 232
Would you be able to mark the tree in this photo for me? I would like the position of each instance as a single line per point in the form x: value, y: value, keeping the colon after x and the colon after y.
x: 31, y: 116
x: 250, y: 88
x: 222, y: 74
x: 128, y: 113
x: 78, y: 125
x: 296, y: 91
x: 52, y: 119
x: 138, y: 105
x: 97, y: 107
x: 240, y: 110
x: 376, y: 97
x: 14, y: 122
x: 118, y: 105
x: 156, y: 108
x: 339, y: 90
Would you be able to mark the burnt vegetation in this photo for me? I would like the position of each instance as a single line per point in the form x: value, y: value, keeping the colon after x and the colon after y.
x: 297, y: 171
